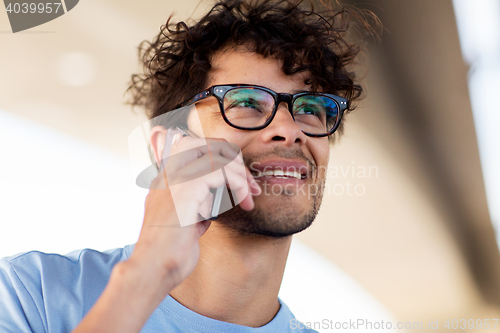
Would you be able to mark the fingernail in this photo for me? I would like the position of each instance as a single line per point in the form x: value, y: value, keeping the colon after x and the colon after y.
x: 256, y: 187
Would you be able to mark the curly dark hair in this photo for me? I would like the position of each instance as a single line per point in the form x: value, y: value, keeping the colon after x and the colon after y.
x: 177, y: 62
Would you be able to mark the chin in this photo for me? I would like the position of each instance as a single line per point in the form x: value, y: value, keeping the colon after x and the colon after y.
x: 273, y: 217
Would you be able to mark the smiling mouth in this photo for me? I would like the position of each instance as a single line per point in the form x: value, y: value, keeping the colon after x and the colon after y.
x: 279, y: 174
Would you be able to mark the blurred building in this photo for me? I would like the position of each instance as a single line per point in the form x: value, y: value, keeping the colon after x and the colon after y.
x: 405, y: 213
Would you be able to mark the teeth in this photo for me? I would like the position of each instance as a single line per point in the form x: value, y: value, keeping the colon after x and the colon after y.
x: 280, y: 174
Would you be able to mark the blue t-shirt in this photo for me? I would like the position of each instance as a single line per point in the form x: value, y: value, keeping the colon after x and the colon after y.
x: 51, y: 293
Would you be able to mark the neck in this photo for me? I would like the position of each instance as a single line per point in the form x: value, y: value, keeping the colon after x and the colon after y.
x: 237, y: 278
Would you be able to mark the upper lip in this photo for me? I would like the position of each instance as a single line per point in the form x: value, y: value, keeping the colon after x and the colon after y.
x: 301, y: 166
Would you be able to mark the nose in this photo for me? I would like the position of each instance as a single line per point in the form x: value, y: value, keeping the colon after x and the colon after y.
x: 283, y: 128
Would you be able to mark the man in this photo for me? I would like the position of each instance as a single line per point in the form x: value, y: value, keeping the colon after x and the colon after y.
x: 264, y: 75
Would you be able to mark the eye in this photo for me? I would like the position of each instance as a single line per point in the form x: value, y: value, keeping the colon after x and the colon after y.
x: 248, y: 102
x: 310, y: 109
x: 245, y: 103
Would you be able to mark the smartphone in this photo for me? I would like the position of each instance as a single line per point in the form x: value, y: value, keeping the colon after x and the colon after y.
x: 218, y: 192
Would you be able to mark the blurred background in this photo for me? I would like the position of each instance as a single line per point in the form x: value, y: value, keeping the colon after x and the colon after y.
x: 405, y: 232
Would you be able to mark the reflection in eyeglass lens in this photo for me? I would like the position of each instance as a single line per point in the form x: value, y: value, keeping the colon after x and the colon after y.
x: 247, y: 107
x: 315, y: 114
x: 251, y: 107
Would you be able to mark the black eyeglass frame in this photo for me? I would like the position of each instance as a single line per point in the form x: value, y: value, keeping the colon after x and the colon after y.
x: 219, y: 91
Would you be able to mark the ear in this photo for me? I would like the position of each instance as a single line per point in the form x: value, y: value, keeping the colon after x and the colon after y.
x: 157, y: 138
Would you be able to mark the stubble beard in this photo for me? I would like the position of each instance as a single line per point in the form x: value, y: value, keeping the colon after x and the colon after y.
x: 283, y: 219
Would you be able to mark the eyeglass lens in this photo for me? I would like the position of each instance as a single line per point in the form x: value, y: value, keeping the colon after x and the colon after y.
x: 252, y: 107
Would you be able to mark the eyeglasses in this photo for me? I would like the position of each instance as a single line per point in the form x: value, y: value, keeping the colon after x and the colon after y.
x: 251, y: 107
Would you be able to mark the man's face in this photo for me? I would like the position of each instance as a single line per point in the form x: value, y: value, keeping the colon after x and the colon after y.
x: 286, y: 205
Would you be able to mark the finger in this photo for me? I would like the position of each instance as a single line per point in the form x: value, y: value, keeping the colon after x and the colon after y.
x: 254, y: 186
x: 205, y: 208
x: 203, y: 226
x: 241, y: 183
x: 206, y: 145
x: 187, y: 146
x: 198, y: 168
x: 204, y: 183
x: 226, y: 149
x: 248, y: 203
x: 190, y: 197
x: 242, y: 191
x: 216, y: 145
x: 190, y: 152
x: 243, y: 171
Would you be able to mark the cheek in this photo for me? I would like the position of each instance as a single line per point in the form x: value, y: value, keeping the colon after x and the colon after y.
x: 205, y: 121
x: 194, y: 123
x: 321, y: 154
x: 242, y: 138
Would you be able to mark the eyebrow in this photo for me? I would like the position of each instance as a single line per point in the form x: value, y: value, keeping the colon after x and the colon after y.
x: 300, y: 91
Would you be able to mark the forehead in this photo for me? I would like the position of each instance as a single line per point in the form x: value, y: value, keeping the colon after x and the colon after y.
x: 239, y: 65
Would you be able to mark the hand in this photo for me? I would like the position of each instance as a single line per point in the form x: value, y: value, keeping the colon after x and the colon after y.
x: 166, y: 253
x: 181, y: 192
